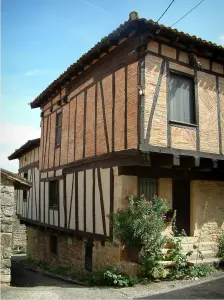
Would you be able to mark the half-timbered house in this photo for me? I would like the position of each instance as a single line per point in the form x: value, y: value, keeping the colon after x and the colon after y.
x: 140, y: 112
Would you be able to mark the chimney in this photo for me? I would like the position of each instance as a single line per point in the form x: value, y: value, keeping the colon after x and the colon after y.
x: 133, y: 16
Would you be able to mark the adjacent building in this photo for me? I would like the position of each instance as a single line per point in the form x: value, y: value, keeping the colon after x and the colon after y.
x: 11, y: 233
x: 140, y: 112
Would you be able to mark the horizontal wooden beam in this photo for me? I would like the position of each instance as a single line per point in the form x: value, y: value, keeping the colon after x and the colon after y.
x: 152, y: 172
x: 165, y: 150
x: 78, y: 233
x: 29, y: 166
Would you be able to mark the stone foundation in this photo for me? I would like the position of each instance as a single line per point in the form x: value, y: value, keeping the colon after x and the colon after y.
x: 7, y: 202
x: 71, y: 252
x: 19, y: 238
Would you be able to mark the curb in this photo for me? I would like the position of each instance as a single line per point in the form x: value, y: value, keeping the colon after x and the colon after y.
x: 49, y: 274
x: 192, y: 283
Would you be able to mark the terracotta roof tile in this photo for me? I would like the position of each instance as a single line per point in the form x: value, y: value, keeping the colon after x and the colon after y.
x: 115, y: 36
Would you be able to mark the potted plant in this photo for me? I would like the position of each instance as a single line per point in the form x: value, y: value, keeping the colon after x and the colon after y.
x: 139, y: 224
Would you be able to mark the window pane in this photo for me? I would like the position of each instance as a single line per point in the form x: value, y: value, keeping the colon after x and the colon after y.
x: 148, y: 187
x: 24, y: 195
x: 53, y: 193
x: 182, y: 99
x: 59, y: 119
x: 58, y: 136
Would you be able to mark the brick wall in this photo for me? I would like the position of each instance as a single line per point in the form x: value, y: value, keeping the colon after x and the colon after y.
x: 87, y: 118
x: 182, y: 137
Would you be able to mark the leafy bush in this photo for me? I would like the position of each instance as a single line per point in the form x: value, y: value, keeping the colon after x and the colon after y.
x: 201, y: 270
x: 112, y: 277
x: 221, y: 247
x: 141, y: 223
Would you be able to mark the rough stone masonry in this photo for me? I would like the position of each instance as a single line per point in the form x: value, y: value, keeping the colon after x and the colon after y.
x: 7, y: 203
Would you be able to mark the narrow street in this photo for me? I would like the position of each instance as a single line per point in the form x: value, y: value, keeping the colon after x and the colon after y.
x: 28, y: 285
x: 207, y: 290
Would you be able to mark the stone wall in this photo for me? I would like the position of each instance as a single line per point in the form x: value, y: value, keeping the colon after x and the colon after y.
x: 71, y: 252
x: 7, y: 202
x: 19, y: 240
x: 207, y: 209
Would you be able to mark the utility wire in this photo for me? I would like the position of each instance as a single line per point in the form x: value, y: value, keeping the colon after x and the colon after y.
x: 187, y: 13
x: 165, y: 11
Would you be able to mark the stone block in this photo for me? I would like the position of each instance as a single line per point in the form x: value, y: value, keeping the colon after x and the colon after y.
x: 6, y: 220
x: 7, y: 211
x: 6, y: 252
x: 6, y: 263
x: 5, y: 278
x: 6, y: 240
x: 6, y: 228
x: 7, y: 200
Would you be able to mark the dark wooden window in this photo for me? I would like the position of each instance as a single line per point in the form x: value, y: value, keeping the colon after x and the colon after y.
x: 54, y: 244
x: 182, y: 99
x: 89, y: 256
x: 25, y: 175
x: 24, y: 195
x: 58, y: 129
x: 54, y: 193
x: 148, y: 187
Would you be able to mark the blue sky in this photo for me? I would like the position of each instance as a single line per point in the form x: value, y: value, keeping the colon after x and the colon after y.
x: 41, y: 38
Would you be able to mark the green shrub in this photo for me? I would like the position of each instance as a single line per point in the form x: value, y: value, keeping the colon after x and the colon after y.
x: 141, y: 222
x: 221, y: 247
x: 112, y: 277
x: 201, y: 270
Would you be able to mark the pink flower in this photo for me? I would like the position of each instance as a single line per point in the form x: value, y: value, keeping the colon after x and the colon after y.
x: 164, y: 217
x: 132, y: 202
x: 137, y: 213
x: 107, y: 215
x: 142, y: 195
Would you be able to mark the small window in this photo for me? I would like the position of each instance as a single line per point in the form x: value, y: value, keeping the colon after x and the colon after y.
x: 54, y: 244
x: 58, y: 129
x: 25, y: 175
x: 148, y: 187
x: 53, y: 193
x: 24, y: 195
x: 89, y: 256
x: 182, y: 102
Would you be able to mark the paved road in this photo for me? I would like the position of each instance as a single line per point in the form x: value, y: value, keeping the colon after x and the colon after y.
x: 208, y: 290
x: 28, y: 285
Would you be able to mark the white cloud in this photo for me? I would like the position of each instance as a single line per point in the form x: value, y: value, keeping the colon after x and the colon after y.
x: 13, y: 137
x: 16, y: 135
x: 33, y: 72
x: 222, y: 39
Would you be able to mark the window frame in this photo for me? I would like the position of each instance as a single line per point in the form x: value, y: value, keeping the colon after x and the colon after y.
x: 53, y: 205
x: 58, y: 127
x: 148, y: 178
x: 192, y: 78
